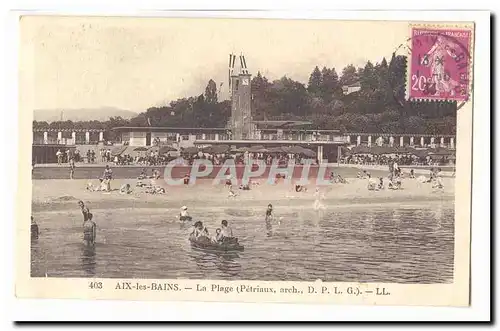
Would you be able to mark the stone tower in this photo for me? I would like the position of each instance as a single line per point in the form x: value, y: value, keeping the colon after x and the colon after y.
x: 240, y: 122
x: 241, y: 108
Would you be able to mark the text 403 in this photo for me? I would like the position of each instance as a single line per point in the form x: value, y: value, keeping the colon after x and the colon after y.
x: 95, y: 285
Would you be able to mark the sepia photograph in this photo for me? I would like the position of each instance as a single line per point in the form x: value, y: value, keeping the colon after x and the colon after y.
x: 222, y: 149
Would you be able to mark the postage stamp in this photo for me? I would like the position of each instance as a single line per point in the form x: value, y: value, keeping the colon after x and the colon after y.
x: 439, y: 68
x: 256, y: 160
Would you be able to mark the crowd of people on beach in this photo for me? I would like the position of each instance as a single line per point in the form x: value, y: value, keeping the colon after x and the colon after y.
x: 362, y: 159
x: 246, y: 158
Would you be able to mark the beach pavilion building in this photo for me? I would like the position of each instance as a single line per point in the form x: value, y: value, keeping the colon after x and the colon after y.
x: 242, y: 131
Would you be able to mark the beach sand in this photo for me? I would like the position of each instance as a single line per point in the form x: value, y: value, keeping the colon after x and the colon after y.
x: 62, y: 194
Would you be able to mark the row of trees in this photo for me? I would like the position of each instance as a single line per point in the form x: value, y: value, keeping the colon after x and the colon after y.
x: 379, y: 105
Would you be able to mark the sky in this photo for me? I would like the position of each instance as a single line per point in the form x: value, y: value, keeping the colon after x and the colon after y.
x: 137, y: 63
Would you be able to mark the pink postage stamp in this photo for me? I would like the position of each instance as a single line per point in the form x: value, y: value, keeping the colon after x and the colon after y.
x: 440, y: 63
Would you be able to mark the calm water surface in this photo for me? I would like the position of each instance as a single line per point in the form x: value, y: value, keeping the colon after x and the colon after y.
x: 386, y: 244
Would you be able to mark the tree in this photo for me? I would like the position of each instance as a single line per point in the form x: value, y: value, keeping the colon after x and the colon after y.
x: 349, y: 75
x: 329, y: 85
x: 315, y: 81
x: 379, y: 106
x: 211, y: 92
x: 261, y: 105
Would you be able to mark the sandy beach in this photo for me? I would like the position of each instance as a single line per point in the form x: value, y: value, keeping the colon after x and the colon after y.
x: 61, y: 194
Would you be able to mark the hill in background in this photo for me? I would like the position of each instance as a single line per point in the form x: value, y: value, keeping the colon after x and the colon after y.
x: 83, y: 114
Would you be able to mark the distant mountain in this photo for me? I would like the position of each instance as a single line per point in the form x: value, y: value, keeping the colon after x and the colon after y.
x: 84, y: 114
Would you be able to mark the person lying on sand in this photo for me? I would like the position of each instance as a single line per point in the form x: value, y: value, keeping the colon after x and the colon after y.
x: 228, y: 180
x: 412, y: 173
x: 125, y: 189
x: 143, y: 174
x: 395, y: 184
x: 380, y: 183
x: 340, y: 179
x: 438, y: 180
x: 244, y: 187
x: 231, y: 193
x: 155, y: 190
x: 300, y: 188
x: 372, y: 183
x: 90, y: 187
x: 422, y: 179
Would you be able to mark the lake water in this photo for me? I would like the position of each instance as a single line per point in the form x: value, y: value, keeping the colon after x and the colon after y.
x: 346, y: 244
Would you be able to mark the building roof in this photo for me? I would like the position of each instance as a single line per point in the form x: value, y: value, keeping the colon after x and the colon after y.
x: 66, y: 130
x: 268, y: 142
x: 164, y: 128
x: 397, y: 135
x: 282, y: 124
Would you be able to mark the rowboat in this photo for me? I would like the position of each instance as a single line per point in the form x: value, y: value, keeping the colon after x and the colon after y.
x: 227, y: 245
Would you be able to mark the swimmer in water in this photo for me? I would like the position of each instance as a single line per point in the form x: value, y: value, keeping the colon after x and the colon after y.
x: 89, y: 231
x: 269, y: 218
x: 184, y: 215
x: 317, y: 201
x: 269, y: 212
x: 85, y: 210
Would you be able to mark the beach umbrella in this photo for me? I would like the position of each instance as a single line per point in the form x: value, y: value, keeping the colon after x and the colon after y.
x: 275, y: 150
x: 140, y: 149
x: 240, y: 150
x: 308, y: 152
x: 255, y: 149
x: 295, y: 150
x: 118, y: 150
x: 166, y: 149
x: 208, y: 149
x: 190, y: 150
x: 220, y: 149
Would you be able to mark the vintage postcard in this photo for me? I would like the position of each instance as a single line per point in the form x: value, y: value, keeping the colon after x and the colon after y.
x: 252, y: 160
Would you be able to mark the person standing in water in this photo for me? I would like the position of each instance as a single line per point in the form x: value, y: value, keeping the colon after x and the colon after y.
x: 269, y: 212
x: 184, y: 215
x: 85, y: 210
x: 89, y: 231
x: 34, y: 229
x: 317, y: 200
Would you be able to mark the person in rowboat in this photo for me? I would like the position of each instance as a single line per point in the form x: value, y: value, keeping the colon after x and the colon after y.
x: 227, y: 232
x: 199, y: 230
x: 218, y: 236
